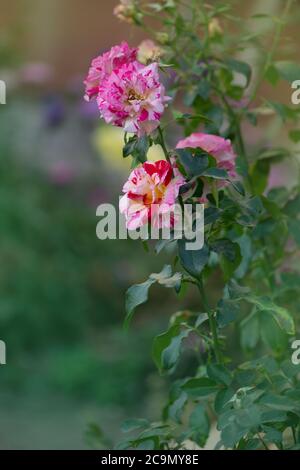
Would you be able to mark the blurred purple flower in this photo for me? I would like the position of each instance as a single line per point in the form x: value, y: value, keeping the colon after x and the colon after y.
x: 61, y: 173
x: 36, y: 73
x: 89, y: 110
x: 54, y: 110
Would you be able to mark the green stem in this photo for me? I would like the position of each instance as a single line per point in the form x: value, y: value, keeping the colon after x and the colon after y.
x: 263, y: 442
x: 212, y: 323
x: 163, y: 145
x: 239, y: 138
x: 166, y: 153
x: 294, y: 435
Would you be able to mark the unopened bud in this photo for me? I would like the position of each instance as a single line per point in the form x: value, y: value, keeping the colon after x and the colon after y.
x: 125, y: 11
x: 162, y: 38
x: 215, y: 28
x: 148, y: 52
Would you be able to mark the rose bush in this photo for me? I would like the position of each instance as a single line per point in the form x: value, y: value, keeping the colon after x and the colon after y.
x: 252, y: 396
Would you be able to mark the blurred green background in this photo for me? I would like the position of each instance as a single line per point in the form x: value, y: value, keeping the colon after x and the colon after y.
x: 69, y: 363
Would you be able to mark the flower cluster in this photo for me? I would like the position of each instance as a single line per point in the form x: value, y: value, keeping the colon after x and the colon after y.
x: 129, y: 94
x: 231, y: 230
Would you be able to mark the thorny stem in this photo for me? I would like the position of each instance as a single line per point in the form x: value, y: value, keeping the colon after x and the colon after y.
x: 210, y: 313
x: 163, y: 145
x: 212, y: 322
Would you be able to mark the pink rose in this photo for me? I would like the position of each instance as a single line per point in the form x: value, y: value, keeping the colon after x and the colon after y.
x: 221, y: 149
x: 103, y: 65
x: 132, y: 97
x: 151, y: 184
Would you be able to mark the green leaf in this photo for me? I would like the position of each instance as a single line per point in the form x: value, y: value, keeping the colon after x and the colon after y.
x: 294, y: 229
x: 133, y: 424
x: 272, y: 75
x: 200, y: 387
x: 176, y: 408
x: 237, y: 423
x: 211, y: 215
x: 252, y: 444
x: 227, y: 312
x: 216, y: 115
x: 275, y: 154
x: 236, y: 291
x: 137, y: 148
x: 259, y: 175
x: 272, y: 435
x: 240, y: 67
x: 129, y: 147
x: 271, y: 416
x: 252, y: 118
x: 225, y: 247
x: 200, y: 425
x: 193, y: 261
x: 280, y: 403
x: 194, y: 161
x: 162, y: 244
x: 289, y: 71
x: 295, y: 135
x: 289, y: 369
x: 202, y: 318
x: 219, y: 373
x: 204, y: 89
x: 135, y: 296
x: 190, y: 95
x: 263, y: 16
x: 231, y: 434
x: 216, y: 173
x: 272, y: 335
x: 271, y: 207
x: 245, y: 244
x: 141, y: 149
x: 149, y: 443
x: 280, y: 314
x: 166, y: 347
x: 250, y: 331
x: 138, y: 293
x: 230, y: 256
x: 222, y: 399
x: 238, y: 186
x: 284, y: 112
x: 292, y: 207
x: 181, y: 117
